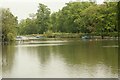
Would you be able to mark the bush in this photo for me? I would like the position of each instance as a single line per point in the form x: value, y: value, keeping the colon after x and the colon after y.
x: 10, y: 37
x: 113, y: 34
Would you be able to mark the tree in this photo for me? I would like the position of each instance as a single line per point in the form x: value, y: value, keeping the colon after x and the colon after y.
x: 88, y: 19
x: 107, y: 19
x: 54, y: 21
x: 28, y: 26
x: 70, y: 14
x: 100, y: 19
x: 9, y: 24
x: 43, y: 18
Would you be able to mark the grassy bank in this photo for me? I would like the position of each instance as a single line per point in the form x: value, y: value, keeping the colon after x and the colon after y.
x: 76, y: 35
x: 79, y: 35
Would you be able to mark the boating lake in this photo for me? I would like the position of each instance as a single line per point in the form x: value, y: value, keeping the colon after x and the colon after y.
x: 61, y: 58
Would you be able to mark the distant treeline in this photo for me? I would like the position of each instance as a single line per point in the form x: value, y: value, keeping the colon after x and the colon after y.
x: 75, y: 17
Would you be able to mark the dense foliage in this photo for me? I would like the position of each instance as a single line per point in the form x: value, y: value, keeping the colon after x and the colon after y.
x: 9, y: 25
x: 38, y: 23
x: 75, y: 17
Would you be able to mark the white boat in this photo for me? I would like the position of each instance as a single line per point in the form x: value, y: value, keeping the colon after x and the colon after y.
x: 19, y: 38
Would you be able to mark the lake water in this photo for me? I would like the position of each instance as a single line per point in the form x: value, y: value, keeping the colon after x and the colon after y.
x: 61, y: 58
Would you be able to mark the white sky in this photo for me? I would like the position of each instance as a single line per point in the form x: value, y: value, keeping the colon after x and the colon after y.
x: 22, y: 8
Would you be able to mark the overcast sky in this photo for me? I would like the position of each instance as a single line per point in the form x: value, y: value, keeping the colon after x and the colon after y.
x: 22, y: 8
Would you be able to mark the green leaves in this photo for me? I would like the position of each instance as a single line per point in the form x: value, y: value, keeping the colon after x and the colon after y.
x: 43, y: 18
x: 9, y: 24
x: 38, y: 24
x: 75, y: 17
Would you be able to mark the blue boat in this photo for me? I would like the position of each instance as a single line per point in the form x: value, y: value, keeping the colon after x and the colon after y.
x: 40, y: 37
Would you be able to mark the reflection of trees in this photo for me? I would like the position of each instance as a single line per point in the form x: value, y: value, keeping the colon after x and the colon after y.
x: 89, y: 53
x: 0, y: 60
x: 43, y: 54
x: 8, y: 52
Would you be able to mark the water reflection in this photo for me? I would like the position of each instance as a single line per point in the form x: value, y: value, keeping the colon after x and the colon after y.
x: 0, y: 61
x: 8, y: 53
x: 84, y: 59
